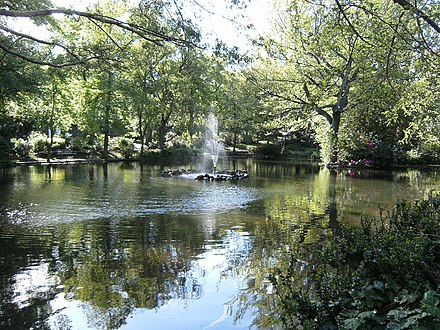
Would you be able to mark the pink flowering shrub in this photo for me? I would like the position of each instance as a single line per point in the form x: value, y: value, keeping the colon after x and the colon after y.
x: 368, y: 151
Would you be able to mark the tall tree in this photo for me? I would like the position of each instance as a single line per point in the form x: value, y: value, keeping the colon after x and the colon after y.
x: 312, y: 65
x: 102, y: 110
x: 53, y: 109
x: 326, y: 54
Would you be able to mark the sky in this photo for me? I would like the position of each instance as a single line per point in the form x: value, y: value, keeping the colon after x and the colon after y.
x: 221, y: 24
x: 215, y: 20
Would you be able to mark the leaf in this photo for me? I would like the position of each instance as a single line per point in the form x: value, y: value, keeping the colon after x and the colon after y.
x: 395, y: 326
x: 366, y: 315
x: 352, y: 324
x: 406, y: 297
x: 397, y: 314
x: 412, y: 320
x: 434, y: 311
x: 379, y: 285
x: 430, y: 299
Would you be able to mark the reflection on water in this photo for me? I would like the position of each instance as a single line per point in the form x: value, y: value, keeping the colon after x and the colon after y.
x: 117, y: 246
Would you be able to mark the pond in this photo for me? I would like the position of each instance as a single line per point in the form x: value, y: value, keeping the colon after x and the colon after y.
x: 116, y: 246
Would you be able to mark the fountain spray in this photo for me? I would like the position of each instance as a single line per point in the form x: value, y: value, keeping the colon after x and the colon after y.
x: 212, y: 144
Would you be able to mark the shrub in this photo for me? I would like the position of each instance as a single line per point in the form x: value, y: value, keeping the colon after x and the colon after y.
x: 22, y: 148
x: 369, y: 150
x: 123, y: 145
x: 270, y: 151
x: 39, y: 141
x: 79, y: 143
x: 177, y: 153
x: 6, y: 148
x: 383, y: 274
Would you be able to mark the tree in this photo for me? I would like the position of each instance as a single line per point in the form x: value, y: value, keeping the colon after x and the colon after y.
x: 312, y: 66
x: 18, y: 80
x: 42, y: 13
x: 338, y: 60
x: 237, y: 98
x: 100, y: 107
x: 395, y: 105
x: 52, y: 109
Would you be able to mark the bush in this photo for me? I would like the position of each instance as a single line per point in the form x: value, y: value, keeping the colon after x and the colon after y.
x: 39, y: 141
x: 383, y: 274
x: 123, y: 145
x: 178, y: 153
x: 6, y: 148
x: 269, y: 151
x: 425, y: 154
x: 79, y: 143
x: 22, y: 148
x: 370, y: 151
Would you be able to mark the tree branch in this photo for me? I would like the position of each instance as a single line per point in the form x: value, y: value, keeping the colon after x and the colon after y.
x: 350, y: 24
x: 40, y: 41
x: 409, y: 6
x: 147, y: 34
x: 325, y: 114
x: 35, y: 61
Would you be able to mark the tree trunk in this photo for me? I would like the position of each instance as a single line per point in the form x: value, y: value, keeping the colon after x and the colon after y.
x: 49, y: 148
x: 162, y: 132
x: 334, y: 156
x: 141, y: 131
x: 51, y: 124
x: 338, y: 108
x: 191, y: 124
x: 163, y: 127
x: 235, y: 140
x: 107, y: 111
x: 235, y: 128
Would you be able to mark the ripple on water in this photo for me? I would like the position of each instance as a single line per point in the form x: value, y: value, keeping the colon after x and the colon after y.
x: 209, y: 199
x: 188, y: 198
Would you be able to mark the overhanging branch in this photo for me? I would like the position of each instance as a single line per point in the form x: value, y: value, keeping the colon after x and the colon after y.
x: 147, y: 34
x: 409, y: 6
x: 40, y: 41
x: 35, y: 61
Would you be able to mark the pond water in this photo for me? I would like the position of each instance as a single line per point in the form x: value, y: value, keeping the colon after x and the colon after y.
x: 116, y: 246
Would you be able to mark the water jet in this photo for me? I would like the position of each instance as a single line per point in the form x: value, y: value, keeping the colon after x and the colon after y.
x: 213, y: 146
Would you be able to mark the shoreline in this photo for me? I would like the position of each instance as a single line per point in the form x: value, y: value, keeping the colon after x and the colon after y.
x: 66, y: 161
x: 72, y: 161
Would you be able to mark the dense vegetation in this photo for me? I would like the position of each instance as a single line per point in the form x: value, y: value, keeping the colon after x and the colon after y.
x: 359, y: 79
x: 382, y: 274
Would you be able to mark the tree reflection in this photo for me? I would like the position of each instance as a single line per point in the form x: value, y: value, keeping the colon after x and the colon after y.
x: 296, y: 227
x: 111, y: 257
x: 112, y: 267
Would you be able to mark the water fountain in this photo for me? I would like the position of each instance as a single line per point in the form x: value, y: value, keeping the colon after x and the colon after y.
x: 213, y: 152
x: 213, y: 147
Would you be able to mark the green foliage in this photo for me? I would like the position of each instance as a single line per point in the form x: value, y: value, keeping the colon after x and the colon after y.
x: 36, y: 144
x: 385, y: 273
x: 5, y: 148
x: 369, y: 150
x: 22, y: 148
x: 123, y: 145
x: 39, y: 141
x: 328, y: 59
x: 80, y: 143
x: 342, y: 79
x: 6, y: 134
x: 269, y: 151
x: 326, y: 142
x: 176, y: 153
